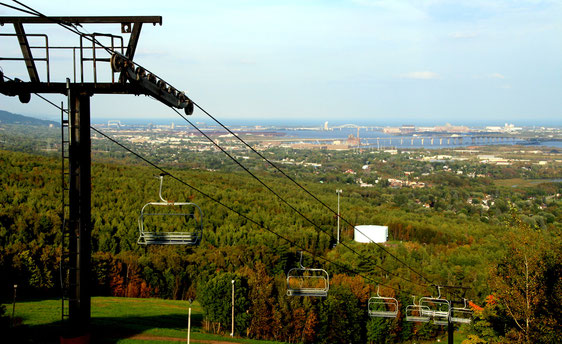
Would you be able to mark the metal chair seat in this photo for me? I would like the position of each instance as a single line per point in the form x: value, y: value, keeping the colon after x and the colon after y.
x: 382, y: 307
x: 307, y: 281
x: 186, y: 217
x: 167, y: 238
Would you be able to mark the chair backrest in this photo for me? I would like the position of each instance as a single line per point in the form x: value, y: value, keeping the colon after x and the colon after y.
x: 180, y: 223
x: 383, y: 307
x: 461, y: 315
x: 183, y: 226
x: 308, y: 282
x: 437, y: 308
x: 417, y: 313
x: 304, y: 281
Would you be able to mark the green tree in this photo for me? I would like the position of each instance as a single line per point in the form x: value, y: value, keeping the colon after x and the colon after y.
x: 341, y: 317
x: 215, y: 296
x: 378, y: 330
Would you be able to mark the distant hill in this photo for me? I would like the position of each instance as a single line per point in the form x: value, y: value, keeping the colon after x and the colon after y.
x: 12, y: 118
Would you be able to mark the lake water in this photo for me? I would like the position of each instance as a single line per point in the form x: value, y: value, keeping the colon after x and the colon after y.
x: 378, y: 139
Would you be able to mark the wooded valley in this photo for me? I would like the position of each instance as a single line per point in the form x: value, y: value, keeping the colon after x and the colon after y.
x: 503, y: 243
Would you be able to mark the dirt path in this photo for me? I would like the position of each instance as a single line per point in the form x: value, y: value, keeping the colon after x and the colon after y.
x: 176, y: 339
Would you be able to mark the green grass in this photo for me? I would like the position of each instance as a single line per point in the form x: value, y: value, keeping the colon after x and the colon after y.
x: 115, y: 320
x: 519, y: 182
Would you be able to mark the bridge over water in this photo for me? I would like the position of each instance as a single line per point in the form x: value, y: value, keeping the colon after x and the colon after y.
x: 438, y: 140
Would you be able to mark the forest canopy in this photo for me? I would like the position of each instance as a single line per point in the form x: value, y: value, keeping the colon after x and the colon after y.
x: 506, y: 253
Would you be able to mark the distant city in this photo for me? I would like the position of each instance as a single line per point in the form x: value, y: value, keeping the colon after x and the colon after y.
x: 337, y: 137
x: 405, y: 129
x: 387, y: 121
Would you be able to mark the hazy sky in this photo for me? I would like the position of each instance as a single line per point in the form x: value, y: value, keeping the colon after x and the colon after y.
x: 339, y: 60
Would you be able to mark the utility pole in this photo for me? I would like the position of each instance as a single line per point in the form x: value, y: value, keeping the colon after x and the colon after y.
x: 232, y: 332
x: 189, y: 323
x: 450, y: 332
x: 14, y: 307
x: 338, y: 191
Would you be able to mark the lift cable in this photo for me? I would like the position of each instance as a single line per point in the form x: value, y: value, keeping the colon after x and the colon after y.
x: 69, y: 26
x: 317, y: 227
x: 308, y: 192
x: 73, y: 29
x: 18, y: 9
x: 430, y: 283
x: 162, y: 170
x: 76, y: 31
x: 291, y: 242
x: 185, y: 102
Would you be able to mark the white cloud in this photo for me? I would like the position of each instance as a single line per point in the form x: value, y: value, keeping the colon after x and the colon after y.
x: 423, y: 75
x: 496, y: 76
x: 463, y: 35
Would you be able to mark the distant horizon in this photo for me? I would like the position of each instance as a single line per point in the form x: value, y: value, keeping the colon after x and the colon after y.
x: 312, y: 122
x: 315, y: 123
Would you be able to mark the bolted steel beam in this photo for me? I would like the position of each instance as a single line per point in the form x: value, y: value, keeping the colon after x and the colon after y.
x: 26, y: 52
x: 82, y: 20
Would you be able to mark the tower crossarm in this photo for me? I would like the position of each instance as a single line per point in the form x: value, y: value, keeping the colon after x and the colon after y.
x: 132, y: 78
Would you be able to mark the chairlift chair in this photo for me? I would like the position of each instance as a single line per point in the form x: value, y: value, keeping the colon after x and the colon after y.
x: 303, y: 281
x: 382, y: 307
x: 437, y: 308
x: 185, y: 215
x: 461, y: 315
x: 417, y: 312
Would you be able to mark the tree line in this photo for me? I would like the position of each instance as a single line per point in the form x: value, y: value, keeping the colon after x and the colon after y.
x: 448, y: 247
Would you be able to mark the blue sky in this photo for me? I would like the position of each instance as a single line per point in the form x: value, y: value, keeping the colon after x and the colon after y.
x: 462, y: 62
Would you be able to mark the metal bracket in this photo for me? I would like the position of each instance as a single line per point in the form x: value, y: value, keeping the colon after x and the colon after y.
x: 126, y: 27
x: 153, y: 85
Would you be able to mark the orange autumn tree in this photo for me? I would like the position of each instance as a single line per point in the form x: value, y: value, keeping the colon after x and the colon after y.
x: 527, y: 285
x: 262, y: 301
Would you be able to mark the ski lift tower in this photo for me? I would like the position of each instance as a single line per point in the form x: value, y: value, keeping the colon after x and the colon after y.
x: 93, y: 53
